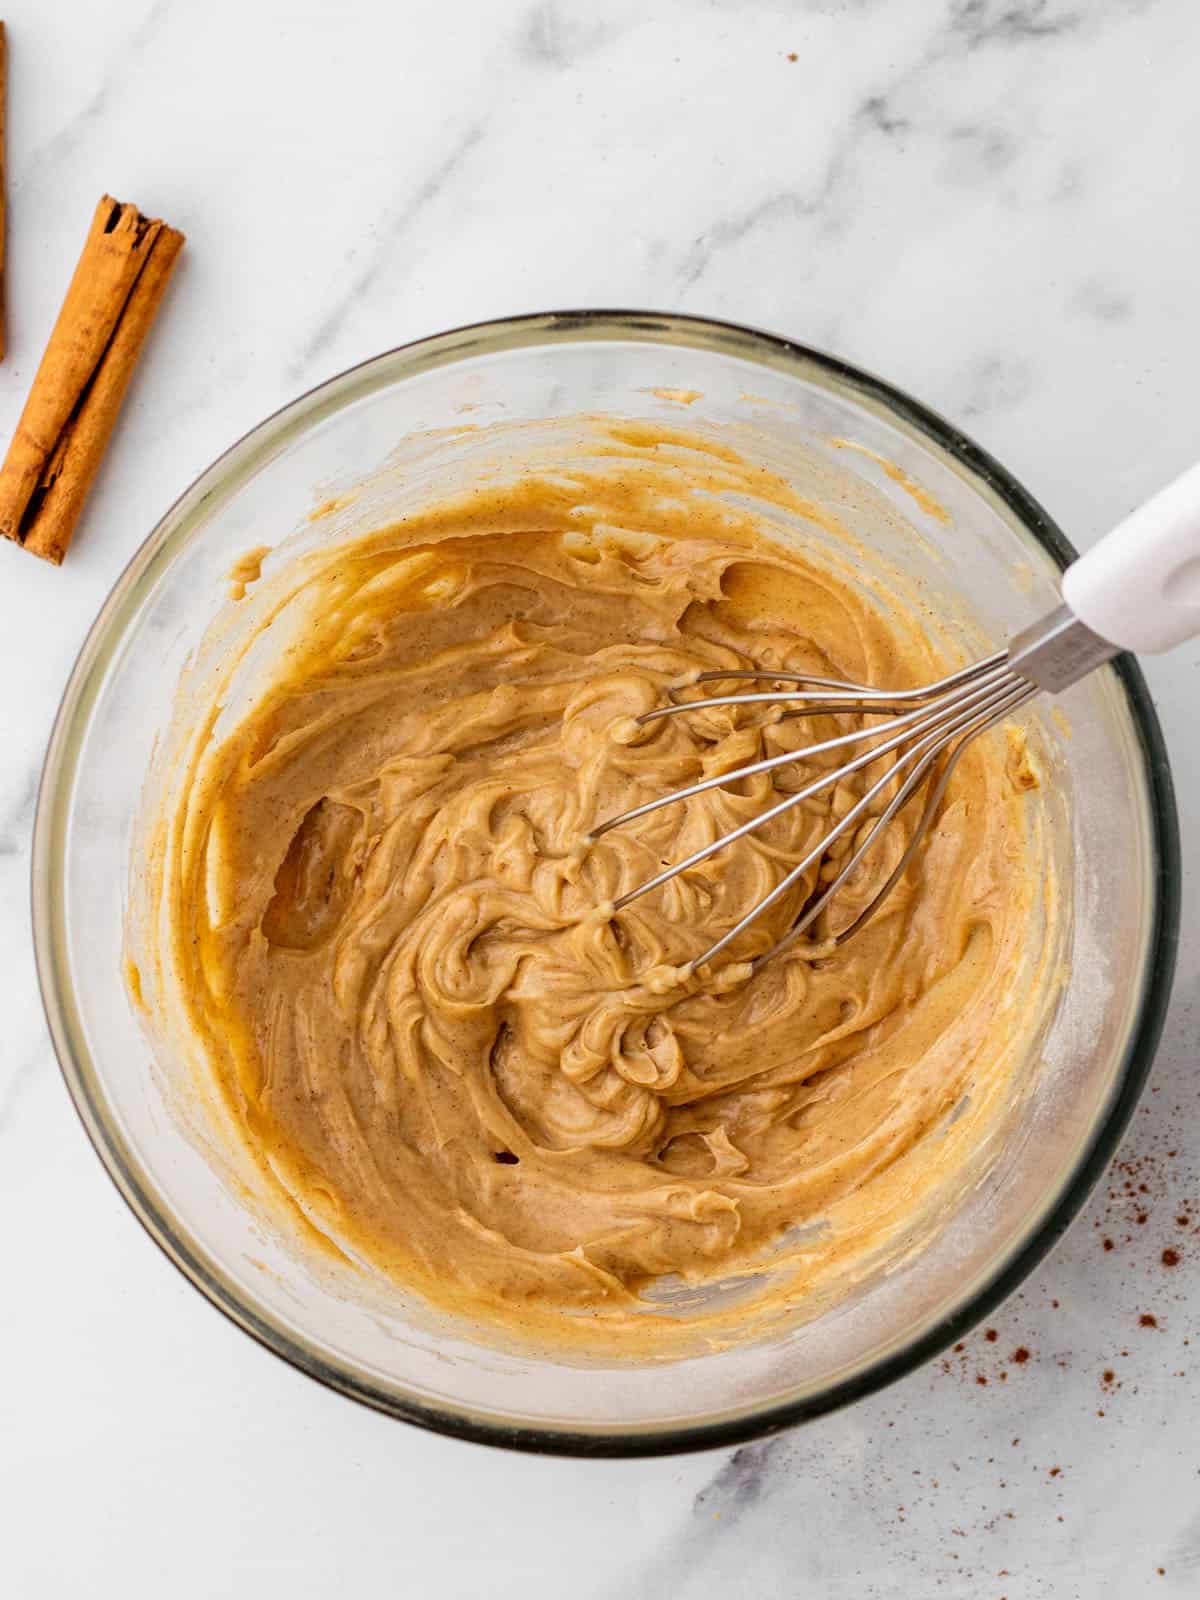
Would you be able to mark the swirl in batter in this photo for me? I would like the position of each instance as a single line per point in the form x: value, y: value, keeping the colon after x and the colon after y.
x: 389, y: 949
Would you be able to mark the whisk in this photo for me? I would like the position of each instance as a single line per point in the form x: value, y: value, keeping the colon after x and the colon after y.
x: 1138, y: 589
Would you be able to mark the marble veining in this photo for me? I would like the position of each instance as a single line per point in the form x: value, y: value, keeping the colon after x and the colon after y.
x: 555, y: 36
x: 991, y: 202
x: 121, y: 59
x: 388, y: 237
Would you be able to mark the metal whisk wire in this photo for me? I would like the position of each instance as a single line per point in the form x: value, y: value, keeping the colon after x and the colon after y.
x: 1136, y: 589
x: 926, y: 720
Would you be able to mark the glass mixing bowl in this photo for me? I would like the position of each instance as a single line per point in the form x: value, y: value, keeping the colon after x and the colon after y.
x: 998, y: 550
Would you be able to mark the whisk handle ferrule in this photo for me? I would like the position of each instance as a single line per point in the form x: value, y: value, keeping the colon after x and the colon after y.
x: 1058, y: 650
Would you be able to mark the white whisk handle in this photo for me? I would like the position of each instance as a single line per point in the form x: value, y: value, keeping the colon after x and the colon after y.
x: 1139, y: 588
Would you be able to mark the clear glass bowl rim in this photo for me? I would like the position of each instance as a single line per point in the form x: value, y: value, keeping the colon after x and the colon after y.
x: 219, y: 481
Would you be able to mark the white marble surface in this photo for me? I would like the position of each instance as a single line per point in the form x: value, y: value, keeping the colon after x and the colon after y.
x: 992, y: 202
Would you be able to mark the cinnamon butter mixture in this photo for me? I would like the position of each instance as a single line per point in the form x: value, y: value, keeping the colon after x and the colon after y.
x: 393, y: 954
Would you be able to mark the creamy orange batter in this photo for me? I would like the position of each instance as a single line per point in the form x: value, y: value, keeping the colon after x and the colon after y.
x: 374, y: 920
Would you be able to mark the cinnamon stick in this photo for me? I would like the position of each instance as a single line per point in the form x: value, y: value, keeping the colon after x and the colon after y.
x: 77, y: 393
